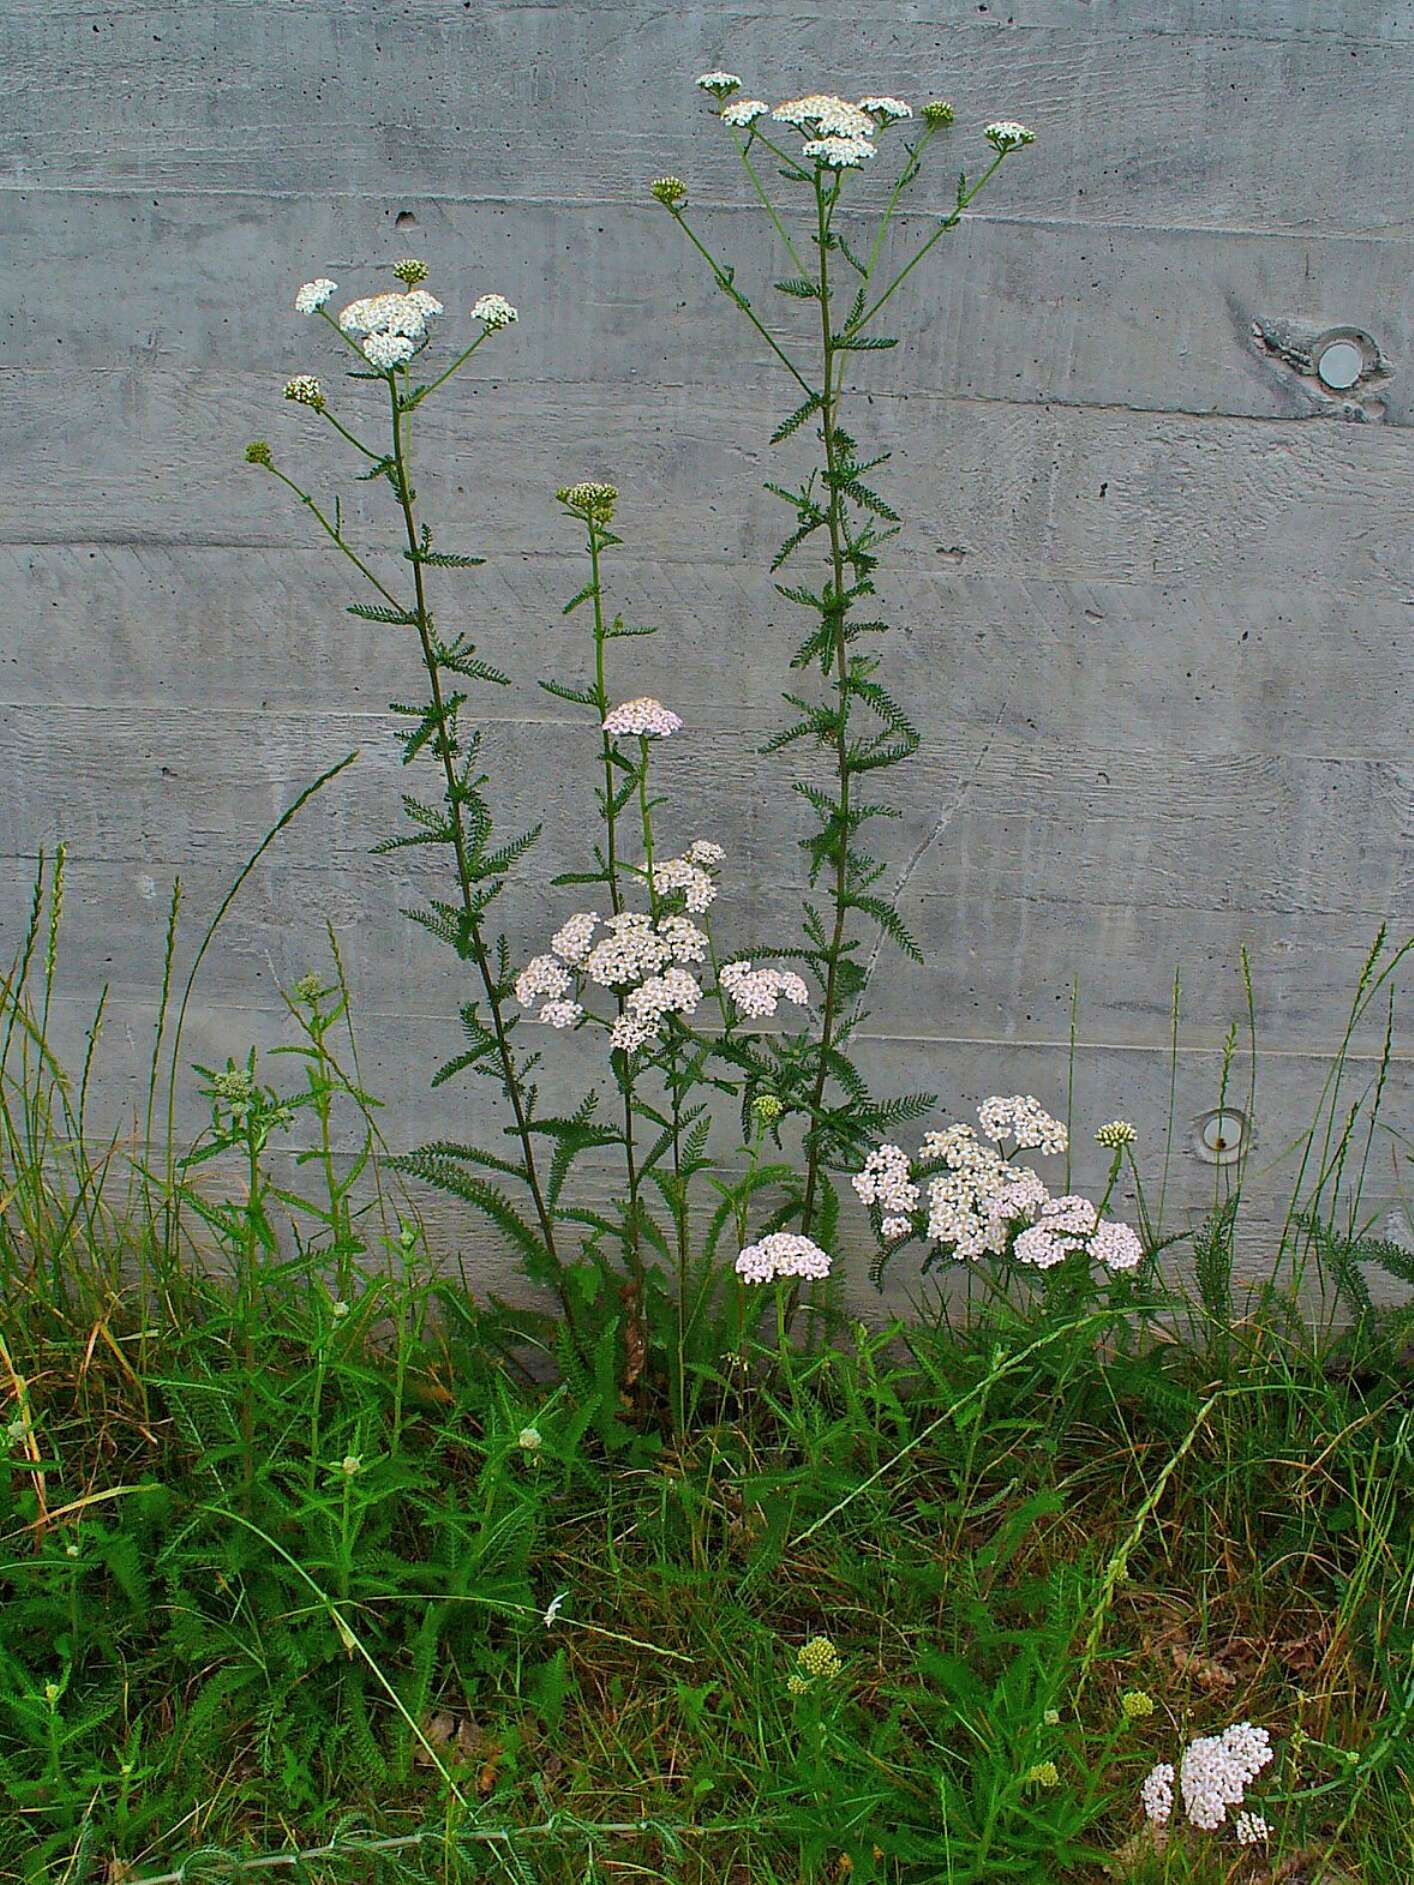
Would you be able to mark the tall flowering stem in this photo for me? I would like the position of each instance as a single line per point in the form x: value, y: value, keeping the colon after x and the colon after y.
x: 853, y: 720
x: 387, y: 334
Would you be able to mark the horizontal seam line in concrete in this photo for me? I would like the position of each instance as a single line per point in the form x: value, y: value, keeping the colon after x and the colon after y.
x: 1217, y: 1047
x: 384, y: 716
x: 1099, y: 225
x: 1044, y: 402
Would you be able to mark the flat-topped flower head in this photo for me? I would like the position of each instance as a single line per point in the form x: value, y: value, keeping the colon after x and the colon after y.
x: 561, y: 1014
x: 386, y: 351
x: 1021, y: 1117
x: 311, y: 297
x: 938, y: 112
x: 704, y: 852
x: 1007, y: 135
x: 782, y: 1254
x: 886, y: 110
x: 1116, y: 1246
x: 574, y: 938
x: 645, y: 717
x: 542, y: 975
x: 825, y: 115
x: 840, y: 153
x: 671, y: 192
x: 495, y: 311
x: 402, y: 316
x: 305, y: 390
x: 410, y: 270
x: 1216, y: 1770
x: 672, y: 874
x: 742, y: 113
x: 718, y: 84
x: 590, y: 499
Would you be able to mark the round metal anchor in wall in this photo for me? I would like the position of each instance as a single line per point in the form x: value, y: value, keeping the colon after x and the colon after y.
x: 1343, y: 357
x: 1223, y: 1135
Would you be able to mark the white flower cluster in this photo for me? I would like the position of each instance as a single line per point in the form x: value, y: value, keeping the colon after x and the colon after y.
x: 822, y: 114
x: 1022, y: 1117
x: 1007, y: 135
x: 1214, y: 1774
x: 719, y: 84
x: 635, y: 957
x: 782, y: 1254
x: 1157, y: 1793
x: 886, y: 110
x: 646, y: 717
x: 671, y: 874
x: 312, y: 296
x: 839, y: 153
x: 742, y: 113
x: 758, y: 992
x: 495, y: 311
x: 981, y: 1200
x: 393, y: 325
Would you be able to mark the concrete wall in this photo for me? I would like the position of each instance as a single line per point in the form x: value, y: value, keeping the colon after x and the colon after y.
x: 1155, y: 584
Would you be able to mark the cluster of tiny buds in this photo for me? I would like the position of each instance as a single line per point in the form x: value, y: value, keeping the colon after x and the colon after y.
x: 1043, y: 1774
x: 645, y: 717
x: 671, y: 192
x: 234, y: 1085
x: 305, y: 390
x: 258, y: 453
x: 590, y: 499
x: 767, y: 1108
x: 818, y: 1660
x: 410, y: 271
x: 1117, y: 1134
x: 1136, y: 1705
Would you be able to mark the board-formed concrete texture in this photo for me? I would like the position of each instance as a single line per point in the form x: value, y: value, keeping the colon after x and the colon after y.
x: 1154, y: 586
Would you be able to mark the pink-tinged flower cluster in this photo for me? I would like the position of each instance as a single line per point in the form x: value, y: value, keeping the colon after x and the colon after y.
x: 981, y: 1204
x: 645, y: 717
x: 1214, y: 1773
x: 672, y: 874
x: 756, y: 993
x: 1157, y: 1793
x: 782, y: 1254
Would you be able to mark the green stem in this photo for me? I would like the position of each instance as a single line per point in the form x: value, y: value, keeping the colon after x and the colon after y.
x: 509, y: 1080
x: 611, y: 862
x: 724, y: 282
x: 949, y: 222
x: 766, y: 203
x: 829, y: 414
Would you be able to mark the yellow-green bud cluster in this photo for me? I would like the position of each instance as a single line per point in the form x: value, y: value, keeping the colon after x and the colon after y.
x: 671, y: 192
x: 590, y: 499
x: 410, y: 270
x: 819, y: 1659
x: 258, y: 453
x: 234, y: 1085
x: 937, y: 112
x: 767, y: 1108
x: 1136, y: 1704
x: 309, y: 988
x: 1043, y: 1774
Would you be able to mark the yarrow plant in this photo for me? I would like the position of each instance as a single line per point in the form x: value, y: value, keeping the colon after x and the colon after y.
x: 687, y: 1016
x: 1213, y: 1775
x: 840, y: 251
